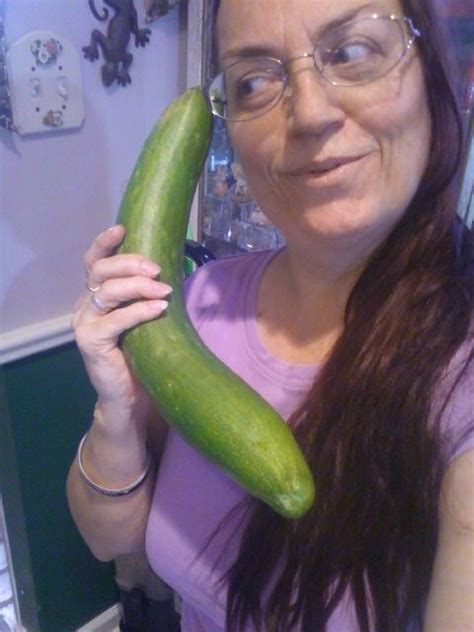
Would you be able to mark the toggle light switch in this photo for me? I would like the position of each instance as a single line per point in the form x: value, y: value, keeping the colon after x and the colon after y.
x: 63, y: 87
x: 35, y: 87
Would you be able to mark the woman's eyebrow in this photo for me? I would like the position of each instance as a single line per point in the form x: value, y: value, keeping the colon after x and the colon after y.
x: 347, y: 16
x: 244, y: 52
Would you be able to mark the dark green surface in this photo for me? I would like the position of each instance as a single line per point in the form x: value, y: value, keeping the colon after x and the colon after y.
x: 12, y: 500
x: 49, y: 403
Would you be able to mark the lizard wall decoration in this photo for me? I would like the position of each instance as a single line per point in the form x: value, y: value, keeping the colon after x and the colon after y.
x: 117, y: 60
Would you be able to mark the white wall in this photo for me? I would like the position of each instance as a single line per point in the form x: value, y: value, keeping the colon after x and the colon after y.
x: 58, y: 190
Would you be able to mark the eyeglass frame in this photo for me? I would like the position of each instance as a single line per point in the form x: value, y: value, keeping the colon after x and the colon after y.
x: 414, y: 33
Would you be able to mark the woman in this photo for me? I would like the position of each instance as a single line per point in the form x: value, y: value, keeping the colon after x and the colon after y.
x: 359, y: 332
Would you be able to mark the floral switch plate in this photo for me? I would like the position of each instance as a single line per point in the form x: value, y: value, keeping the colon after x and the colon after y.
x: 45, y: 79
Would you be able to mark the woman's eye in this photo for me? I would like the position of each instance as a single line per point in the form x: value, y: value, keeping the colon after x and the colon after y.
x: 353, y: 52
x: 249, y: 86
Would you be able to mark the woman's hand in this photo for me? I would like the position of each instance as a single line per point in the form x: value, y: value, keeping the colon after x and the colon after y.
x: 123, y: 291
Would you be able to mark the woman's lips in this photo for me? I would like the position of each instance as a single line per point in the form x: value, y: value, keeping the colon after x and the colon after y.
x: 327, y: 173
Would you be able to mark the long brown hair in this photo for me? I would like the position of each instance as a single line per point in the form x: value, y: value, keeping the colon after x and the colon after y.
x: 367, y: 426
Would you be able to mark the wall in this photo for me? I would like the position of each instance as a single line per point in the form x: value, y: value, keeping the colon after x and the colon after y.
x: 56, y: 192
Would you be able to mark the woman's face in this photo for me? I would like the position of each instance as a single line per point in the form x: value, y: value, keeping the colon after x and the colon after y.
x: 338, y: 164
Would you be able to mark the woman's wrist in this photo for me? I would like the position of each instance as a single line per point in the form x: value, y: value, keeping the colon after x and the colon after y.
x: 115, y: 454
x: 118, y: 424
x: 108, y: 491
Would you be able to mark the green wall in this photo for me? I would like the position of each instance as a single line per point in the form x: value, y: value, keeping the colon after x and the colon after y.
x: 47, y: 404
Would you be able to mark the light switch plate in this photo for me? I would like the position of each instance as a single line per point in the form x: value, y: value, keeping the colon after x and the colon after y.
x: 45, y: 79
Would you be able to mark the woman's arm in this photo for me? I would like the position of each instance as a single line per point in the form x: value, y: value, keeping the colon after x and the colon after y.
x: 123, y: 291
x: 113, y: 526
x: 451, y: 597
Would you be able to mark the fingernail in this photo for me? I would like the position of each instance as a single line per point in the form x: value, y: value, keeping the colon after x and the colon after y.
x: 167, y: 289
x: 159, y: 305
x: 150, y: 268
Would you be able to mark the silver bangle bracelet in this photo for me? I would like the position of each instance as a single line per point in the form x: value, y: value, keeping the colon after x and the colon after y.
x: 105, y: 491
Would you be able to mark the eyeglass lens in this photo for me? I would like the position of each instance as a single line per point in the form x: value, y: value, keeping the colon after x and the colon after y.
x: 353, y: 54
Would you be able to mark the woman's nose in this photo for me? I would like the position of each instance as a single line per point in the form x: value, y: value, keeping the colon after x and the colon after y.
x: 310, y: 101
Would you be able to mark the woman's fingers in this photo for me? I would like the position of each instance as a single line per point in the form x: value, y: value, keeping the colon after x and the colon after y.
x: 104, y: 245
x: 116, y: 292
x: 100, y: 335
x: 123, y: 291
x: 101, y: 265
x: 116, y: 279
x: 123, y: 265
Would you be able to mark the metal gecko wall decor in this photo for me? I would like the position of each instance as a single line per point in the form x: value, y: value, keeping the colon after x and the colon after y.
x: 123, y: 24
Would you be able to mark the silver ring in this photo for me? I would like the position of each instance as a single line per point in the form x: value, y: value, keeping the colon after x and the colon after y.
x: 98, y: 303
x: 92, y: 289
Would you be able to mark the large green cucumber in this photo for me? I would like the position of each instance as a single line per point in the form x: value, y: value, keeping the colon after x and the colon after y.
x: 210, y: 406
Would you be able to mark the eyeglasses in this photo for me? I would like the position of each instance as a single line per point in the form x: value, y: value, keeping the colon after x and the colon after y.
x: 351, y: 55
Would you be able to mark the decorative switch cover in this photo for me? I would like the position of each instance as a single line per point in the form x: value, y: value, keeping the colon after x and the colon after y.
x: 45, y: 78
